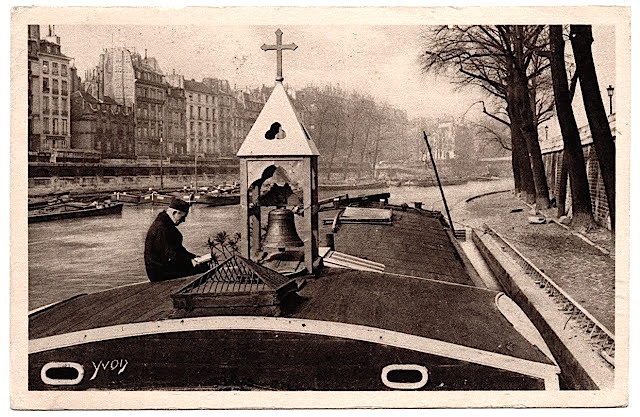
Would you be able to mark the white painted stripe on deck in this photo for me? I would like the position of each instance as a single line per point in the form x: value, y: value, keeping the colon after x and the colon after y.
x: 317, y: 327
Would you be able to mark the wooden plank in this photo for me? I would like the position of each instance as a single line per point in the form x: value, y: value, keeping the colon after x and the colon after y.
x: 105, y: 307
x: 129, y: 309
x: 63, y: 318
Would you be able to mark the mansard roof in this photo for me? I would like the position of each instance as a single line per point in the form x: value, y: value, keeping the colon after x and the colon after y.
x: 197, y: 86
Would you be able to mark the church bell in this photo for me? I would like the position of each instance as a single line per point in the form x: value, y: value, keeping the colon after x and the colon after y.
x: 281, y: 230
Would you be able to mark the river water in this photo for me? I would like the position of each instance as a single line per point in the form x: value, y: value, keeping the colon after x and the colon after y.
x: 68, y: 257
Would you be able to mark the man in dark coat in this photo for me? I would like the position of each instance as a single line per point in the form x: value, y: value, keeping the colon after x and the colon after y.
x: 164, y: 256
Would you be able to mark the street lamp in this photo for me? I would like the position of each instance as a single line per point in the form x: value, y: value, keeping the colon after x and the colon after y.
x: 546, y: 133
x: 610, y: 93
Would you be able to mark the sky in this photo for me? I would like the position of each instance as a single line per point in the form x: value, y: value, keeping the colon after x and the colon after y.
x: 380, y: 60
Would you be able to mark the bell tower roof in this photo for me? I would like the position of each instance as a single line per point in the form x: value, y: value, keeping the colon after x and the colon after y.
x: 278, y: 131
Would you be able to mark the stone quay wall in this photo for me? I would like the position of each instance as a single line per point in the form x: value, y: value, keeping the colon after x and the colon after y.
x: 39, y: 186
x: 553, y: 164
x: 552, y: 154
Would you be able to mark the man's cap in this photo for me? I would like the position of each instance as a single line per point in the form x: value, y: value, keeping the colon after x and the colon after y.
x: 180, y: 205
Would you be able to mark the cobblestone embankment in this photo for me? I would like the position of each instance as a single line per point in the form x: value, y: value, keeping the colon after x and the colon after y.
x: 557, y: 276
x: 585, y: 272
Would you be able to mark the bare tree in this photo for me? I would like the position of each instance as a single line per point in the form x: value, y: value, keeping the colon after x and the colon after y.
x: 573, y: 158
x: 499, y: 60
x: 356, y: 111
x: 581, y: 40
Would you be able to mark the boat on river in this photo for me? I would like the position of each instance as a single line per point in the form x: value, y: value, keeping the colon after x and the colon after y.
x: 73, y: 210
x: 221, y: 195
x: 352, y: 185
x: 155, y: 197
x: 352, y: 294
x: 380, y: 315
x: 126, y: 197
x: 215, y: 199
x: 48, y: 201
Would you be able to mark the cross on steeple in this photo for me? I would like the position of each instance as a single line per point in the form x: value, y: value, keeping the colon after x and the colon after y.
x: 279, y: 47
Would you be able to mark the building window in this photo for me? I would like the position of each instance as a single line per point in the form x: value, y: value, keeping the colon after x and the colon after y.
x: 55, y: 126
x: 63, y: 70
x: 191, y: 112
x: 54, y: 68
x: 54, y: 101
x: 65, y: 88
x: 64, y: 127
x: 198, y: 98
x: 45, y: 85
x: 199, y: 113
x: 45, y: 125
x: 54, y: 90
x: 45, y: 105
x: 45, y: 67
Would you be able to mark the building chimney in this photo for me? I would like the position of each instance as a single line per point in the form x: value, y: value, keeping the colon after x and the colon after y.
x: 34, y: 32
x: 145, y: 54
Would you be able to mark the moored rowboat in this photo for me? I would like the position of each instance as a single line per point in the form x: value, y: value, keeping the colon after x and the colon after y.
x: 72, y: 211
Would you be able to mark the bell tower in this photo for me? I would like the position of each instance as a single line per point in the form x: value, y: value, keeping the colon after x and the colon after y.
x: 279, y: 181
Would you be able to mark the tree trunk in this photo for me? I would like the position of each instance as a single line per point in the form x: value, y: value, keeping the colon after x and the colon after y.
x: 517, y: 184
x: 375, y: 153
x: 562, y: 187
x: 351, y: 145
x: 530, y: 135
x: 333, y: 151
x: 522, y: 101
x: 364, y: 149
x: 520, y: 153
x: 573, y: 157
x: 581, y: 39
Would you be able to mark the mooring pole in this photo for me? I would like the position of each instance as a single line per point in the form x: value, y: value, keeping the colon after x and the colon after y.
x: 444, y: 200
